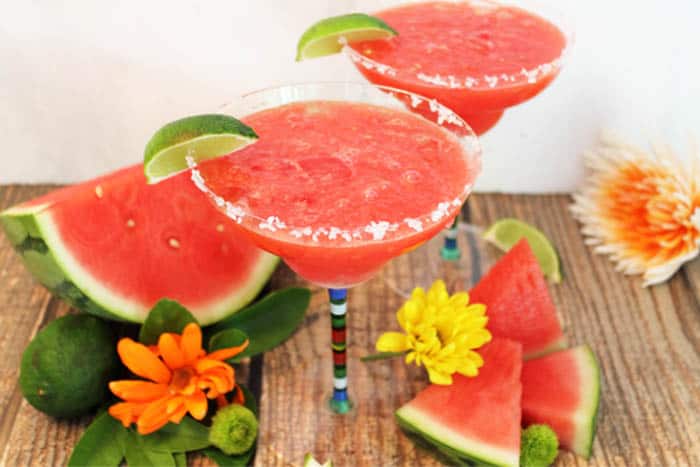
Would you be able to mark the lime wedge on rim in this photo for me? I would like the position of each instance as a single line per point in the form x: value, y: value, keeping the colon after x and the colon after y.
x: 328, y: 36
x: 505, y: 233
x: 200, y: 137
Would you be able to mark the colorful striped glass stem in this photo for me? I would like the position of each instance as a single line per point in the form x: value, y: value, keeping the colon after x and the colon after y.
x: 340, y: 402
x: 450, y: 250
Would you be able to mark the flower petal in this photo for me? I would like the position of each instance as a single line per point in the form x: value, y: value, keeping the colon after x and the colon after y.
x: 196, y: 405
x: 141, y: 361
x: 154, y: 417
x: 219, y: 384
x: 169, y: 349
x: 437, y: 377
x: 137, y: 391
x: 127, y: 412
x: 191, y: 343
x: 392, y: 342
x: 224, y: 354
x: 459, y: 300
x: 438, y: 292
x: 477, y: 309
x: 239, y: 396
x: 178, y: 414
x: 205, y: 365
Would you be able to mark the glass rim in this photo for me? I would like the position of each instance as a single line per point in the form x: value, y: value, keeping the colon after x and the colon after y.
x: 482, y: 82
x: 375, y: 231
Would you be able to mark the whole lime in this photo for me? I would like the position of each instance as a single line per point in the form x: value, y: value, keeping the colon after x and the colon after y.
x: 67, y: 366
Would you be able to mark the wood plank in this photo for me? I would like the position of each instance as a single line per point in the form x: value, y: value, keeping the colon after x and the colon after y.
x: 23, y: 305
x: 647, y: 340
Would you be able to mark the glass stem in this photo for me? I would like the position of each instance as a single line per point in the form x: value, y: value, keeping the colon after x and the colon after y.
x: 340, y: 402
x: 450, y: 250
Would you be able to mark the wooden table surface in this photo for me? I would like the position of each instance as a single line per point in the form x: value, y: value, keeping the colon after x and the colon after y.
x: 647, y: 340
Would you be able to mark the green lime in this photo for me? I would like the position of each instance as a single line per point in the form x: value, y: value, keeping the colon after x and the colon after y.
x: 507, y: 232
x: 66, y: 368
x: 328, y: 36
x: 200, y: 137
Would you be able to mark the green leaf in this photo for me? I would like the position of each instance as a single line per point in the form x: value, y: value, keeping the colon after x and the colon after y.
x: 101, y: 443
x: 139, y: 455
x: 270, y: 321
x: 166, y: 316
x: 188, y: 435
x: 249, y: 400
x: 180, y: 459
x: 227, y: 338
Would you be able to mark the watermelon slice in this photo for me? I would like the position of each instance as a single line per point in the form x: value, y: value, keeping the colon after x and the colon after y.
x: 474, y: 419
x: 518, y: 303
x: 562, y: 390
x: 114, y: 246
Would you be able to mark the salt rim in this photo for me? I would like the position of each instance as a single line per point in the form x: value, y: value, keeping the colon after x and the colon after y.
x: 516, y: 78
x: 375, y: 230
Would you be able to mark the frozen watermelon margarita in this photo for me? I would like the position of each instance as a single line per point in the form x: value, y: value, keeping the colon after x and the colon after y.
x: 342, y: 179
x: 477, y: 57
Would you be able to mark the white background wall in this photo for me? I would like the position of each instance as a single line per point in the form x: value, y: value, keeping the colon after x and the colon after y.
x: 84, y: 83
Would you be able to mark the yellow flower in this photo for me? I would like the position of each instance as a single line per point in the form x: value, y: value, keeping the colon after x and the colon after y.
x: 442, y: 333
x: 642, y: 209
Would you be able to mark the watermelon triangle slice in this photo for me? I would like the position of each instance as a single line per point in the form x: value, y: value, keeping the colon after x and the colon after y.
x: 473, y: 419
x: 114, y: 246
x: 562, y: 389
x: 518, y: 303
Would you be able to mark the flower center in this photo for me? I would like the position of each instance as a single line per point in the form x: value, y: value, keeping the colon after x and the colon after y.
x: 182, y: 378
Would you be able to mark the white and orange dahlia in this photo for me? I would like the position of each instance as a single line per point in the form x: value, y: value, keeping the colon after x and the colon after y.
x: 642, y: 209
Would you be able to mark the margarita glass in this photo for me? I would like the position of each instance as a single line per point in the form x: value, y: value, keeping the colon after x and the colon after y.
x: 343, y: 178
x: 477, y: 57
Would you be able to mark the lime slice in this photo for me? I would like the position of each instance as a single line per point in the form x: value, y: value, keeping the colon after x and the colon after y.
x: 328, y: 36
x: 200, y: 137
x: 507, y: 232
x: 309, y: 461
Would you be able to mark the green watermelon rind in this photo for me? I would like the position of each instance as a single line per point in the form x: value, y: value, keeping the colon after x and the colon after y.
x: 559, y: 344
x: 418, y: 422
x: 31, y: 230
x: 588, y: 409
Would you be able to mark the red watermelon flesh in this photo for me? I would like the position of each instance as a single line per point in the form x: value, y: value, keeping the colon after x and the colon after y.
x: 518, y: 303
x: 478, y: 418
x: 562, y: 390
x: 124, y: 244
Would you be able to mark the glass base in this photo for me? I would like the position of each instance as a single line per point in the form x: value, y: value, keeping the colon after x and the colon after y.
x: 459, y: 267
x: 339, y: 406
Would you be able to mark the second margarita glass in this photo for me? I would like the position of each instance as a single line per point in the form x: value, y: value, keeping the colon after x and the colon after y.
x: 477, y: 57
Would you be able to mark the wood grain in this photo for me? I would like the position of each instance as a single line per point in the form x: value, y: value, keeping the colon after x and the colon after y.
x: 647, y: 341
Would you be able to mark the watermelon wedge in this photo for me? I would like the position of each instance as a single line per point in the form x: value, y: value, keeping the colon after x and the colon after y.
x: 114, y: 246
x: 562, y: 390
x: 518, y: 303
x: 474, y: 419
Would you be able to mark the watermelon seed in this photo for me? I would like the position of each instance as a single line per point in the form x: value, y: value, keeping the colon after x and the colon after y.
x: 174, y: 243
x: 130, y: 223
x: 220, y: 228
x: 99, y: 191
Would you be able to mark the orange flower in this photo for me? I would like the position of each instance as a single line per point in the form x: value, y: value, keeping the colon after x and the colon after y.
x: 182, y: 377
x: 641, y: 209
